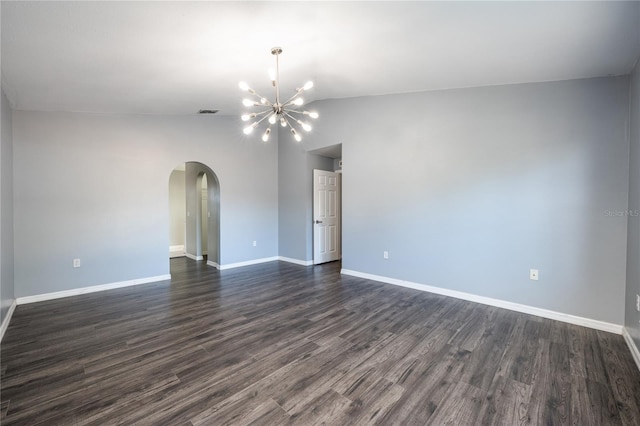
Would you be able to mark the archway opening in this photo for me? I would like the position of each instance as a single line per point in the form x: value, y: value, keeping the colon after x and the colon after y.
x: 194, y: 211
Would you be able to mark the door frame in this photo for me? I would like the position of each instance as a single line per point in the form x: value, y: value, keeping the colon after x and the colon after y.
x: 317, y: 257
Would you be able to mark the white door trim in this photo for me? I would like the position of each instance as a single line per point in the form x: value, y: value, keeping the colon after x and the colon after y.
x: 326, y: 216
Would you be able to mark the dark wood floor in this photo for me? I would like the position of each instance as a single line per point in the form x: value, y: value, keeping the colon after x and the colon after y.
x: 284, y: 344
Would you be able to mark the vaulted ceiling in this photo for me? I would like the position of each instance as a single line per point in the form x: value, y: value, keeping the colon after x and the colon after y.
x: 179, y: 57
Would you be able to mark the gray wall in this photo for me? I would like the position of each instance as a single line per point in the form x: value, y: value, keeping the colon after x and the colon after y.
x: 96, y: 187
x: 295, y: 196
x: 468, y: 189
x: 292, y: 195
x: 177, y: 208
x: 6, y: 210
x: 632, y: 320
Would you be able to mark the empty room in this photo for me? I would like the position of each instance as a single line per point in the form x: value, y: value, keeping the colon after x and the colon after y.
x: 193, y: 232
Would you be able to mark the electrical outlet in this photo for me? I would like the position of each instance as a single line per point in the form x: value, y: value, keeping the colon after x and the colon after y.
x: 385, y: 254
x: 638, y: 302
x: 533, y: 274
x: 255, y: 243
x: 76, y: 263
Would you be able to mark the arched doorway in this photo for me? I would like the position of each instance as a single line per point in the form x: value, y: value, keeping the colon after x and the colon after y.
x: 199, y: 219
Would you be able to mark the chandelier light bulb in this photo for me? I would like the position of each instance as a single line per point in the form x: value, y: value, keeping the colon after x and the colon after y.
x: 305, y: 126
x: 247, y: 130
x: 298, y: 101
x: 247, y: 117
x: 265, y: 136
x: 296, y: 135
x: 248, y: 102
x: 272, y: 119
x: 311, y: 114
x: 243, y: 86
x: 308, y: 85
x: 283, y: 122
x: 272, y: 75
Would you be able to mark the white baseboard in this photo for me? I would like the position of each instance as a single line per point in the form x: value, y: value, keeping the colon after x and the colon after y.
x: 83, y: 290
x: 191, y: 256
x: 257, y: 261
x: 545, y: 313
x: 296, y: 261
x: 176, y: 251
x: 247, y: 263
x: 7, y: 318
x: 635, y: 353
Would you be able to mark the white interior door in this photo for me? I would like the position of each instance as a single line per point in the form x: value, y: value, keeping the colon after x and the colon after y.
x: 326, y: 216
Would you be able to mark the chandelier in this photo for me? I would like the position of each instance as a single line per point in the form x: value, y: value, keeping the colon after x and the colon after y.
x: 284, y: 112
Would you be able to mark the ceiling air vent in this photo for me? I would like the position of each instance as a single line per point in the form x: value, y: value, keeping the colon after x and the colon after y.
x: 208, y: 111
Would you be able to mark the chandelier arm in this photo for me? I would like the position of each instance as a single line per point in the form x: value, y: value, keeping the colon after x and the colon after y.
x: 292, y: 118
x: 258, y: 114
x: 295, y: 133
x: 298, y: 93
x: 305, y: 126
x: 250, y: 115
x: 287, y: 121
x: 263, y: 106
x: 259, y: 96
x: 262, y: 119
x: 277, y: 78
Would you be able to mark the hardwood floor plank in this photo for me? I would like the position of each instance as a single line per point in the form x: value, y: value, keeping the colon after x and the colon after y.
x: 590, y: 393
x: 268, y: 413
x: 518, y: 360
x: 507, y: 403
x: 282, y: 344
x: 322, y: 410
x: 551, y: 392
x: 619, y: 368
x: 371, y: 403
x: 262, y: 390
x: 296, y: 397
x: 357, y: 378
x: 426, y: 382
x: 4, y: 407
x: 485, y: 359
x: 461, y: 406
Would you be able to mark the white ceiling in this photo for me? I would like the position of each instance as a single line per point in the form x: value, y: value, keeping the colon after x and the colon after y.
x: 179, y: 57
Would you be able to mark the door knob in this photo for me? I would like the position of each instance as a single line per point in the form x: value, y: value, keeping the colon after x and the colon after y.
x: 318, y: 221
